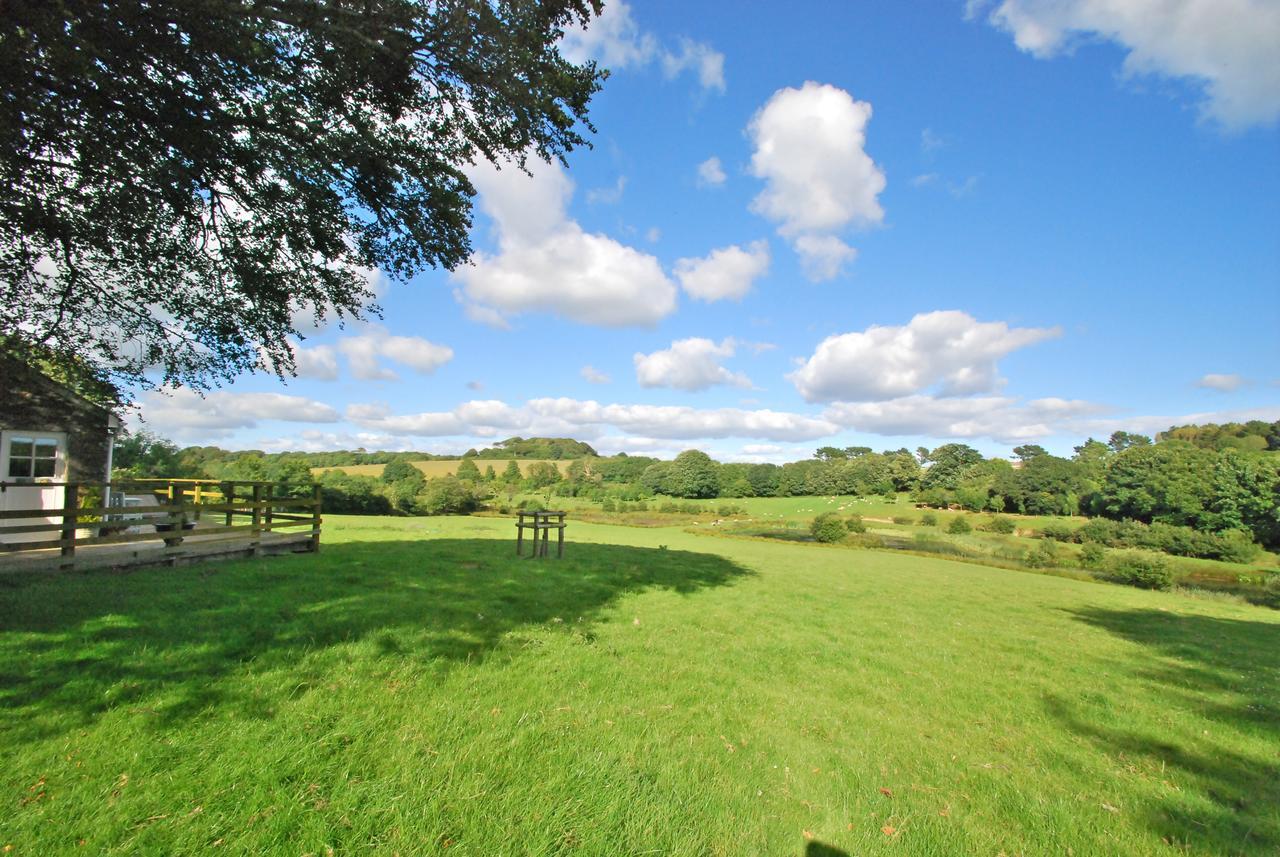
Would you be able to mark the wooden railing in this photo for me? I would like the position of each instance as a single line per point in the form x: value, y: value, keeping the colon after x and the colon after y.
x: 242, y: 508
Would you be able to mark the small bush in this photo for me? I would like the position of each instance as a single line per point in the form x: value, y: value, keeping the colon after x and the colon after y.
x: 530, y: 505
x: 959, y: 526
x: 608, y: 505
x: 1237, y: 546
x: 726, y: 510
x: 903, y: 519
x: 1093, y: 555
x: 670, y: 507
x: 854, y: 524
x: 1141, y: 570
x: 1004, y: 526
x: 1057, y: 532
x: 1045, y: 555
x: 828, y: 527
x: 691, y: 508
x: 928, y: 519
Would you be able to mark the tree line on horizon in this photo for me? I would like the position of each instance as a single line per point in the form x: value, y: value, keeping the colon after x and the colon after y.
x: 1209, y: 478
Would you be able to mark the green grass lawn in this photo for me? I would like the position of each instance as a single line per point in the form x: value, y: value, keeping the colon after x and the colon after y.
x: 416, y: 689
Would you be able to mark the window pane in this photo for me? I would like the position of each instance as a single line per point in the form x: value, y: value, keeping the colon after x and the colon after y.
x: 21, y: 447
x: 46, y: 446
x: 43, y: 467
x: 19, y: 468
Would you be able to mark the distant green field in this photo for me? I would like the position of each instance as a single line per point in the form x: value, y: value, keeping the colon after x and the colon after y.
x: 433, y: 469
x: 416, y: 689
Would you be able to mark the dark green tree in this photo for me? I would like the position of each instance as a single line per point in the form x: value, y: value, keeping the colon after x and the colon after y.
x: 694, y: 475
x: 178, y: 181
x: 467, y: 471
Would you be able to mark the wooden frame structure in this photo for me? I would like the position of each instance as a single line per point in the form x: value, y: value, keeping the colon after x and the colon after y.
x: 193, y: 520
x: 542, y: 524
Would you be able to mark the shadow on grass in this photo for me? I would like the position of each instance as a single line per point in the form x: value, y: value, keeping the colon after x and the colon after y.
x: 817, y: 849
x: 172, y: 643
x: 1227, y: 671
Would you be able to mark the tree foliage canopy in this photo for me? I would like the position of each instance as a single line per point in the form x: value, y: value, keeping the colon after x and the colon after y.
x: 181, y: 182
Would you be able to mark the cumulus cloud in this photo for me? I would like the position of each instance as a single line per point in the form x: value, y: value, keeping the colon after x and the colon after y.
x: 594, y: 375
x: 948, y: 349
x: 546, y: 262
x: 364, y: 351
x: 1221, y: 383
x: 711, y: 173
x: 1153, y: 423
x: 677, y: 422
x: 809, y: 150
x: 617, y: 42
x: 689, y: 364
x: 725, y: 273
x: 822, y: 257
x: 1225, y: 47
x: 700, y: 58
x: 183, y: 413
x: 589, y: 419
x: 613, y: 39
x: 608, y: 195
x: 319, y: 363
x: 997, y: 417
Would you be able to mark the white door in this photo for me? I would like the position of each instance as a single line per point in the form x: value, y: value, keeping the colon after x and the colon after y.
x: 29, y: 461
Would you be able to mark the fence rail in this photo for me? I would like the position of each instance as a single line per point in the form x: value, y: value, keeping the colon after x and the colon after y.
x: 180, y: 512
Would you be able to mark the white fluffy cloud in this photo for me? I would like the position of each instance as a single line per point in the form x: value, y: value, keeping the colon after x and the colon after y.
x: 822, y: 257
x: 594, y: 376
x: 183, y: 413
x: 588, y: 419
x: 700, y: 58
x: 809, y: 150
x: 997, y: 417
x: 689, y: 364
x: 711, y: 173
x: 364, y: 351
x: 725, y: 273
x: 676, y: 422
x: 1221, y: 383
x: 546, y: 262
x: 616, y: 41
x: 948, y: 349
x: 1228, y: 47
x: 319, y: 363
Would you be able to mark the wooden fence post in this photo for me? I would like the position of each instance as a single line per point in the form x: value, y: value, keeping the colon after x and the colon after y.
x: 229, y: 499
x: 268, y: 512
x: 257, y: 519
x: 70, y: 516
x: 316, y: 495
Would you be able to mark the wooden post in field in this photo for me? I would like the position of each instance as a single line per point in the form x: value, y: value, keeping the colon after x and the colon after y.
x: 70, y: 514
x: 268, y: 512
x: 229, y: 499
x: 257, y: 519
x: 196, y: 500
x: 316, y: 494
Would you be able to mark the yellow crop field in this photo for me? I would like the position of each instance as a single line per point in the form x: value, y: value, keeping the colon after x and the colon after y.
x: 432, y: 469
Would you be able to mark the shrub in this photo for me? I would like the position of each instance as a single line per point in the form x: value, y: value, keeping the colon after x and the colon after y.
x: 928, y: 519
x: 608, y: 505
x: 1093, y: 555
x: 1238, y: 546
x: 903, y: 519
x: 530, y: 504
x: 446, y: 496
x: 959, y: 526
x: 1004, y: 526
x: 727, y: 509
x: 670, y: 507
x: 1045, y: 555
x: 828, y: 527
x: 691, y: 508
x: 1141, y: 570
x: 1057, y: 532
x: 854, y: 524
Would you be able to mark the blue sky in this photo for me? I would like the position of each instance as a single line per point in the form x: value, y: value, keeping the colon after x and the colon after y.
x: 879, y: 224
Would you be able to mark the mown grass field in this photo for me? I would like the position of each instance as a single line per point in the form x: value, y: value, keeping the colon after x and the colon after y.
x: 433, y: 468
x: 416, y: 689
